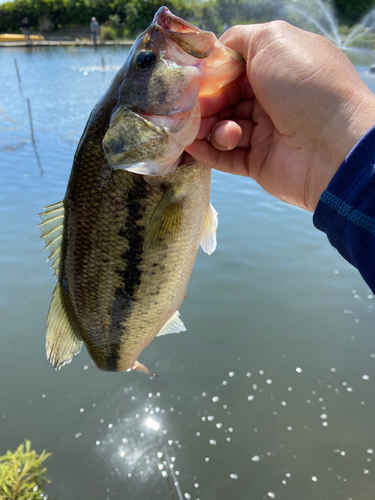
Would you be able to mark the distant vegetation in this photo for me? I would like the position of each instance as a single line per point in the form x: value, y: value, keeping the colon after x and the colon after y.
x: 127, y: 18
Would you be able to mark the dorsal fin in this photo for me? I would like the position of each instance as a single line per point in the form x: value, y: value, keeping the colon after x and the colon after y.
x: 61, y: 341
x: 52, y: 230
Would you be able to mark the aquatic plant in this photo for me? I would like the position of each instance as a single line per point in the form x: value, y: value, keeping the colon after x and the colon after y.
x: 22, y: 476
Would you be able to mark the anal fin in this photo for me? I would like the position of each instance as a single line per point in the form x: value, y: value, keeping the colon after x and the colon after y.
x: 61, y: 341
x: 173, y: 325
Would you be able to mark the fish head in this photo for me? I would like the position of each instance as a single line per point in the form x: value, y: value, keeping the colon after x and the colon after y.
x: 156, y: 112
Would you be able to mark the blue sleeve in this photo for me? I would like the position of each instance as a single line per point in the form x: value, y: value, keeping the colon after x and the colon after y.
x: 346, y: 210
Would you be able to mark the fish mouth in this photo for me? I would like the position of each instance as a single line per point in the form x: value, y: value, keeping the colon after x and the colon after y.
x: 196, y: 42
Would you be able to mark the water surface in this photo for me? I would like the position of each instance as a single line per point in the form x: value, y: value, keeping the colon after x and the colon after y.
x: 269, y: 393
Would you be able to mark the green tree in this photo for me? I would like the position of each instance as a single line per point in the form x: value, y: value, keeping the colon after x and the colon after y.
x: 350, y: 12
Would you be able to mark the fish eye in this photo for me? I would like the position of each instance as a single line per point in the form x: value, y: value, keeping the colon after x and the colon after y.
x: 144, y: 60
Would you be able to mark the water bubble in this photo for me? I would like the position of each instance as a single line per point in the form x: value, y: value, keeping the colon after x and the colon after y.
x: 86, y: 367
x: 210, y: 418
x: 81, y: 410
x: 207, y: 459
x: 366, y: 471
x: 250, y: 398
x: 370, y: 451
x: 323, y: 416
x: 219, y: 425
x: 365, y: 377
x: 268, y: 381
x: 298, y: 370
x: 314, y: 478
x: 215, y: 399
x: 233, y: 476
x: 248, y: 374
x: 290, y: 428
x: 271, y: 494
x: 255, y: 458
x: 333, y: 370
x: 231, y: 374
x: 196, y: 485
x: 212, y: 442
x: 79, y: 434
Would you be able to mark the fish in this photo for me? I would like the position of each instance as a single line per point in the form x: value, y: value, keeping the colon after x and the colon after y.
x: 124, y: 239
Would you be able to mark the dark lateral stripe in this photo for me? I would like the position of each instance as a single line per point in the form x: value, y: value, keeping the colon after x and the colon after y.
x: 132, y: 259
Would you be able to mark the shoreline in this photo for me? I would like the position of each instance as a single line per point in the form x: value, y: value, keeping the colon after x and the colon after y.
x: 57, y: 43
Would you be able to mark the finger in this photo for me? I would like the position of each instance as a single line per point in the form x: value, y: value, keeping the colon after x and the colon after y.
x: 242, y: 38
x: 234, y: 162
x: 228, y: 134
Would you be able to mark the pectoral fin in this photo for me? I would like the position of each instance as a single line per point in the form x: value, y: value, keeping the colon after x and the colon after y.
x: 165, y: 222
x: 173, y: 325
x: 208, y: 240
x: 61, y: 341
x: 131, y: 139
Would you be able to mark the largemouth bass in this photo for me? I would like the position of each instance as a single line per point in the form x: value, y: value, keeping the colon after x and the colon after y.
x: 124, y: 240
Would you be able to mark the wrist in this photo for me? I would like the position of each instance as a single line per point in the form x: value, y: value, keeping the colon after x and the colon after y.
x: 362, y: 119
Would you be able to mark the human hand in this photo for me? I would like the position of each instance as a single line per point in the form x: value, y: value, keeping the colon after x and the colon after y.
x: 291, y: 120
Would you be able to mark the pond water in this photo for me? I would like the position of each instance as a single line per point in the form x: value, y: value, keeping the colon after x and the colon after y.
x: 269, y: 393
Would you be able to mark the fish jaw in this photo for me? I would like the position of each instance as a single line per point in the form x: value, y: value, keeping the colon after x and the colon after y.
x: 219, y: 65
x: 170, y: 65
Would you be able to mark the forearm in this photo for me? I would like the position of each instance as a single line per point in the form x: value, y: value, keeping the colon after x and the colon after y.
x: 346, y: 210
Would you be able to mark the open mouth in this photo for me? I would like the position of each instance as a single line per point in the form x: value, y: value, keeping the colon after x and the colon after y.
x: 168, y: 21
x: 191, y: 39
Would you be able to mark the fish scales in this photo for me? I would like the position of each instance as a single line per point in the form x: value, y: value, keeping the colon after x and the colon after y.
x: 124, y: 240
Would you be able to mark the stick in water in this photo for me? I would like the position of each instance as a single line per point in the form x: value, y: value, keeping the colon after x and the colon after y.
x: 33, y: 139
x: 17, y: 71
